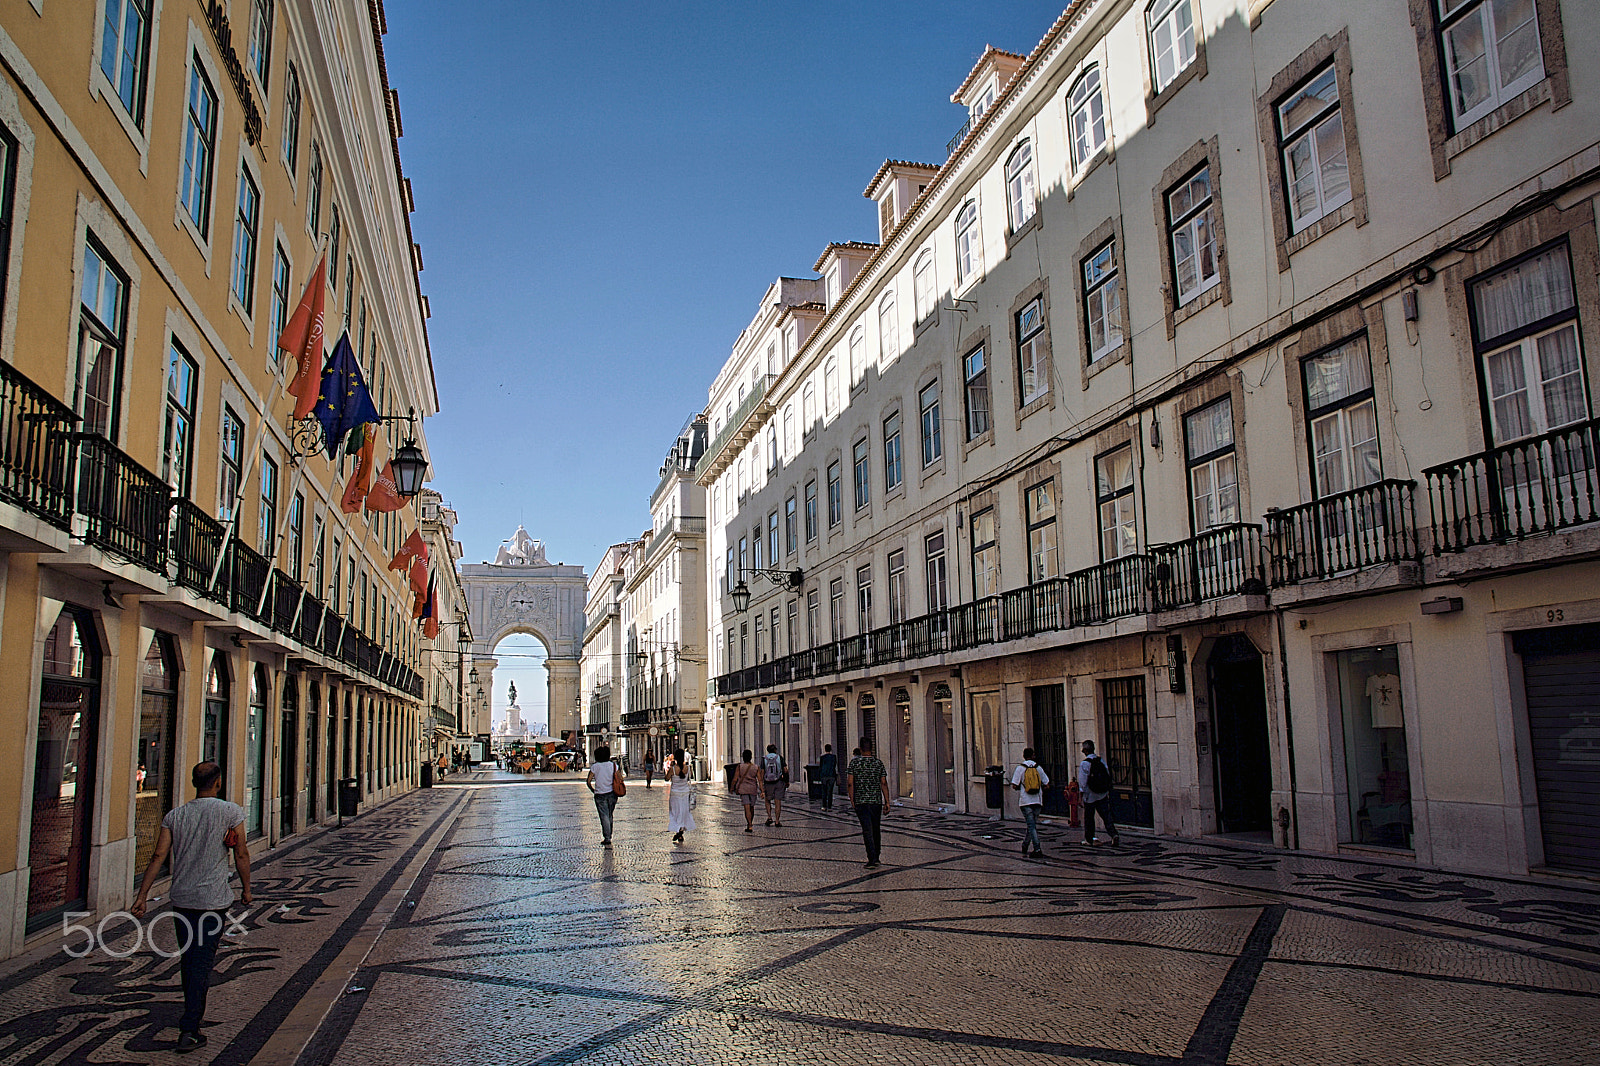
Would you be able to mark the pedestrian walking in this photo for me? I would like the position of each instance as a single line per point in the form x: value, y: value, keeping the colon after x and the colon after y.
x: 199, y: 836
x: 747, y: 786
x: 828, y: 773
x: 1094, y: 781
x: 649, y: 768
x: 605, y: 780
x: 774, y: 782
x: 865, y: 779
x: 680, y: 796
x: 1030, y: 781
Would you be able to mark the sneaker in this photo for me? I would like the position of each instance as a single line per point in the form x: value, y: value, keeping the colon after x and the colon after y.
x: 188, y: 1042
x: 777, y: 825
x: 769, y: 821
x: 747, y: 829
x: 1090, y: 842
x: 869, y: 866
x: 605, y: 843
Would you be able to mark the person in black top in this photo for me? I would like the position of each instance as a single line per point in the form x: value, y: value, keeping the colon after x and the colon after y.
x: 828, y: 773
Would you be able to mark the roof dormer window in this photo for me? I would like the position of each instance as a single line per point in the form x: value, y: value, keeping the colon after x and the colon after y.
x: 984, y: 100
x: 833, y: 285
x: 886, y: 215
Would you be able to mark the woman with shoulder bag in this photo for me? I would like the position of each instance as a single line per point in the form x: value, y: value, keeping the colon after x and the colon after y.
x: 605, y: 781
x: 747, y: 784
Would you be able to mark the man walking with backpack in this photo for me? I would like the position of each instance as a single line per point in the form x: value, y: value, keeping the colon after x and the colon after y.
x: 774, y: 780
x: 1030, y: 780
x: 1094, y: 781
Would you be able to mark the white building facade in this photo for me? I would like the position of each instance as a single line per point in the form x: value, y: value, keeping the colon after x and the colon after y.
x: 601, y: 666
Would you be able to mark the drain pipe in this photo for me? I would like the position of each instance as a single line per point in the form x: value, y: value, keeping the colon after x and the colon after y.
x: 1288, y: 817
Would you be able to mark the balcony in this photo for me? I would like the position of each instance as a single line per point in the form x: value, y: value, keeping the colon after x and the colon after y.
x: 1515, y: 491
x: 249, y: 572
x: 124, y: 504
x: 1372, y: 526
x: 1223, y: 561
x: 955, y: 142
x: 37, y: 449
x: 676, y: 527
x: 737, y: 433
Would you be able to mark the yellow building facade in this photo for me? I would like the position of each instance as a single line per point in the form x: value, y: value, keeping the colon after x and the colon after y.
x: 178, y: 581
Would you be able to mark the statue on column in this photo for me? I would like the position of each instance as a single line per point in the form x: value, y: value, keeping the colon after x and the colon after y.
x: 513, y: 693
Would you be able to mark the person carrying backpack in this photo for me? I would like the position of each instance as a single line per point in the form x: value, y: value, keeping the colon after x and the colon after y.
x: 1030, y: 780
x: 1094, y: 781
x: 774, y: 780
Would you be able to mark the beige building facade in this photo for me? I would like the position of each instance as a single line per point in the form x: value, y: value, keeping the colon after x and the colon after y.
x: 1226, y: 397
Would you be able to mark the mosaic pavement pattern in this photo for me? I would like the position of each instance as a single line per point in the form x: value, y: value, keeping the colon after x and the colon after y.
x: 521, y: 939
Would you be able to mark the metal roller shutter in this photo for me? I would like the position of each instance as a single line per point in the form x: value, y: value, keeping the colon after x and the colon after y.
x: 1561, y: 672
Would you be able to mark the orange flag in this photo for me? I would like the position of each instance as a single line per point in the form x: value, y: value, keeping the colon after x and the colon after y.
x: 430, y: 614
x: 384, y: 496
x: 356, y: 489
x: 414, y: 548
x: 421, y: 586
x: 302, y: 339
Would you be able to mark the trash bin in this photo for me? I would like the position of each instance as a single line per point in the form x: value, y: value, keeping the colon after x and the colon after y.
x: 349, y: 796
x: 728, y: 769
x: 815, y: 789
x: 994, y: 787
x: 427, y: 775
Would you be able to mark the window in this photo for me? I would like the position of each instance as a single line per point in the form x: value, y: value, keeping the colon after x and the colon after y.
x: 291, y: 118
x: 858, y: 467
x: 793, y: 619
x: 932, y: 443
x: 177, y: 433
x: 772, y: 359
x: 338, y: 573
x: 755, y: 537
x: 938, y: 587
x: 8, y: 198
x: 788, y: 431
x: 761, y: 625
x: 295, y: 558
x: 260, y: 46
x: 199, y: 147
x: 836, y: 608
x: 1033, y: 368
x: 969, y: 257
x: 1043, y: 560
x: 1491, y: 53
x: 923, y: 284
x: 246, y: 227
x: 1316, y: 172
x: 985, y: 555
x: 232, y: 463
x: 125, y: 52
x: 833, y: 285
x: 1102, y: 301
x: 811, y: 510
x: 1021, y: 200
x: 888, y: 330
x: 269, y: 507
x: 772, y: 447
x: 314, y: 189
x: 835, y: 494
x: 897, y: 586
x: 1213, y: 466
x: 892, y: 474
x: 791, y: 534
x: 886, y: 213
x: 813, y: 616
x: 744, y: 555
x: 280, y: 298
x: 1172, y: 41
x: 1113, y: 477
x: 1342, y: 418
x: 1086, y: 118
x: 318, y: 558
x: 731, y: 578
x: 858, y: 355
x: 333, y: 255
x: 744, y: 644
x: 863, y: 599
x: 975, y: 374
x: 101, y: 326
x: 830, y: 386
x: 1525, y: 329
x: 808, y: 408
x: 1191, y: 228
x: 772, y: 538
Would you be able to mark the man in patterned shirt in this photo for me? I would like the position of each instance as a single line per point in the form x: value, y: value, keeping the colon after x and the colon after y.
x: 865, y: 777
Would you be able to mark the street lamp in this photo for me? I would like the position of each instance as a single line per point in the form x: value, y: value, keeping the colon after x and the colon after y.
x: 790, y: 579
x: 410, y: 468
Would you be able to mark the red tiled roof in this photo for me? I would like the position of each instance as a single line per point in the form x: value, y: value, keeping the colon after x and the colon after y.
x: 863, y: 246
x: 931, y: 168
x: 988, y: 51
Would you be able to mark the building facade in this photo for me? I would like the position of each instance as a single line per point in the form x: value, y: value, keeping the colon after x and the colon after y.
x: 601, y: 669
x: 456, y: 710
x: 177, y: 578
x: 1226, y: 397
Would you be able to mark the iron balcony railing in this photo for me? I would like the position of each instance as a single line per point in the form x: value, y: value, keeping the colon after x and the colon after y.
x: 1533, y: 486
x: 37, y: 449
x: 285, y: 602
x: 1223, y: 561
x: 955, y: 142
x: 741, y: 415
x: 196, y: 540
x: 251, y: 571
x: 124, y: 504
x: 1343, y: 533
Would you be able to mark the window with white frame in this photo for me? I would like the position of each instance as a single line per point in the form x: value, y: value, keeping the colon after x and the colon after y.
x: 1172, y: 40
x: 280, y: 298
x: 813, y: 616
x: 1525, y: 329
x: 314, y: 189
x: 1213, y: 466
x: 177, y: 434
x: 756, y: 555
x: 892, y: 468
x: 808, y: 407
x: 897, y: 586
x: 864, y: 599
x: 102, y: 331
x: 858, y: 354
x: 985, y: 555
x: 1033, y: 370
x: 772, y: 448
x: 1021, y: 199
x: 859, y: 472
x: 772, y: 359
x: 811, y: 510
x: 267, y: 515
x: 1316, y: 172
x: 791, y: 533
x: 835, y: 494
x: 125, y: 53
x: 969, y: 254
x: 975, y: 376
x: 772, y: 538
x: 246, y: 230
x: 259, y: 49
x: 1191, y: 228
x: 923, y: 283
x: 1086, y: 118
x: 231, y: 463
x: 830, y: 386
x: 836, y: 608
x: 199, y: 149
x: 295, y: 546
x: 1043, y: 558
x: 934, y: 570
x: 1342, y: 418
x: 291, y: 118
x: 1491, y: 53
x: 1102, y: 301
x: 788, y: 430
x: 888, y: 329
x: 1113, y: 476
x: 833, y: 285
x: 932, y: 437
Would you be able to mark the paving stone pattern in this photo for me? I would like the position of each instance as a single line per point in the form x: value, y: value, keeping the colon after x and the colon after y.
x: 521, y: 939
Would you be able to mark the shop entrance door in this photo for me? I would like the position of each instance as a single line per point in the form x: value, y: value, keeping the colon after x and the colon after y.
x: 1050, y: 746
x: 1128, y: 750
x: 1241, y: 755
x: 1561, y: 674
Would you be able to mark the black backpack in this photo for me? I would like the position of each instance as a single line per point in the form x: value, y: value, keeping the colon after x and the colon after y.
x: 1099, y: 775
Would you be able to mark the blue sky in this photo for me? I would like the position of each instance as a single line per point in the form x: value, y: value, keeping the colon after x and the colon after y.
x: 605, y: 190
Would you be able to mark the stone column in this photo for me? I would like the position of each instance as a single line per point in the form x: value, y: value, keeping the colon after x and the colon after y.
x: 563, y: 694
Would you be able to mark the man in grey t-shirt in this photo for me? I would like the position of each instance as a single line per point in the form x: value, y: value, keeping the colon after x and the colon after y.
x: 199, y: 835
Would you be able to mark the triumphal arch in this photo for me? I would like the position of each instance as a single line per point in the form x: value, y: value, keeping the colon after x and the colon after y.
x: 523, y: 592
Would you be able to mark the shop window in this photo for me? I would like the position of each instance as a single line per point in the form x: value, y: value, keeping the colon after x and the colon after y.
x: 1377, y: 767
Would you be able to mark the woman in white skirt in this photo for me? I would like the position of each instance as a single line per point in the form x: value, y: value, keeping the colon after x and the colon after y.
x: 680, y: 797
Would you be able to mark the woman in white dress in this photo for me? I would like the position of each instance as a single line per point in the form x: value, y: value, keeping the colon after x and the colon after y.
x: 680, y: 797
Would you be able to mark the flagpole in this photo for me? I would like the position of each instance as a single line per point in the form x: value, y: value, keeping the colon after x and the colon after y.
x: 238, y: 499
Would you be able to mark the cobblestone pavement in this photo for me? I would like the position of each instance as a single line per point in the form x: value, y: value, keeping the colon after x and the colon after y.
x: 511, y: 935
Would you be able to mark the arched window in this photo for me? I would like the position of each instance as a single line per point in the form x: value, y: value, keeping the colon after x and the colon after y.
x: 858, y: 354
x: 1086, y: 118
x: 888, y: 329
x: 255, y: 753
x: 64, y: 769
x: 1020, y: 192
x: 788, y: 430
x: 923, y: 284
x: 158, y: 728
x: 905, y: 752
x: 968, y: 258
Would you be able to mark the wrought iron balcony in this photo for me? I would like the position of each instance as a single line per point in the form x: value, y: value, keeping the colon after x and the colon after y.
x: 737, y: 432
x: 1343, y: 533
x: 124, y: 504
x: 37, y: 449
x: 196, y: 541
x: 1224, y: 561
x: 955, y: 142
x: 1524, y: 489
x: 248, y: 582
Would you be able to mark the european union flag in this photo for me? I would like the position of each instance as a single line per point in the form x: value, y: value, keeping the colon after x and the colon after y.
x: 343, y: 402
